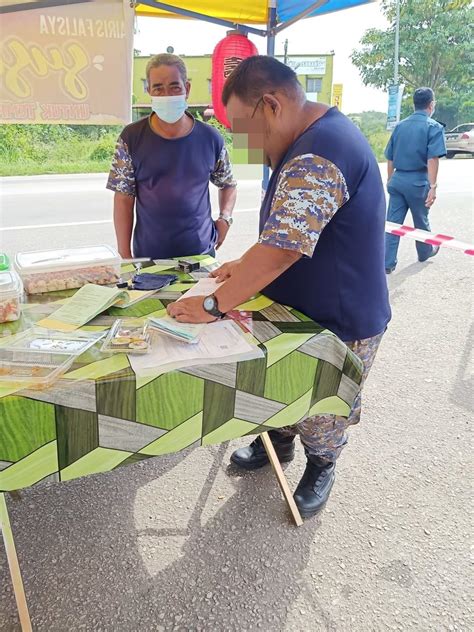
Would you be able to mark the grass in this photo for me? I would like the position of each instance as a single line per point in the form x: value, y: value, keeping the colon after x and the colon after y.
x: 27, y: 150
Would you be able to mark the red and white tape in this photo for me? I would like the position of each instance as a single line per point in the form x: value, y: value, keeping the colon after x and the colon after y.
x: 429, y: 238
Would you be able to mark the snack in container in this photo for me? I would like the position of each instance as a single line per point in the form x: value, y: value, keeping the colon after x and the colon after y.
x: 11, y: 290
x: 54, y: 270
x: 39, y: 356
x: 127, y: 335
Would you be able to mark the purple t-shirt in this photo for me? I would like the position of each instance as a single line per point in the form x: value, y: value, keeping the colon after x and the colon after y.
x: 169, y: 179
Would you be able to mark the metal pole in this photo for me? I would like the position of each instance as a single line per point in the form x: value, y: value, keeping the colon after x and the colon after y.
x: 397, y: 44
x: 285, y: 58
x: 272, y: 20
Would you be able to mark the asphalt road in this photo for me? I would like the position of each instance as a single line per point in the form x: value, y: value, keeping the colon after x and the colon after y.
x: 185, y: 542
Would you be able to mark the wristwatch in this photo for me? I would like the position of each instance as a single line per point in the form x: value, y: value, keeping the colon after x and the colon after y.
x: 433, y: 186
x: 227, y: 219
x: 211, y: 306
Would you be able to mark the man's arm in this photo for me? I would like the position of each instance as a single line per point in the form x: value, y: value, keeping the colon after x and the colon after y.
x: 390, y: 169
x: 259, y: 266
x: 121, y: 181
x: 433, y: 166
x: 123, y: 222
x: 223, y: 178
x: 227, y: 198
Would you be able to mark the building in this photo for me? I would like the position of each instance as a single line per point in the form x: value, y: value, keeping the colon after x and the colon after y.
x: 314, y: 72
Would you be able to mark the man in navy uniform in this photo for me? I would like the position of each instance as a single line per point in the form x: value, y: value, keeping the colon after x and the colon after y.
x: 413, y: 152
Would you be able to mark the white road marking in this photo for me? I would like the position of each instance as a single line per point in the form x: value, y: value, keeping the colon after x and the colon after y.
x: 92, y: 222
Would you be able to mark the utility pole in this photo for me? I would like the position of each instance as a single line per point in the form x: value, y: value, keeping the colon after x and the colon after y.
x: 285, y: 58
x: 397, y: 43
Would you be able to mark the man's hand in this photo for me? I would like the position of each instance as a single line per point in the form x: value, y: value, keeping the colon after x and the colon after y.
x: 225, y: 271
x: 430, y: 200
x: 190, y: 310
x: 222, y: 228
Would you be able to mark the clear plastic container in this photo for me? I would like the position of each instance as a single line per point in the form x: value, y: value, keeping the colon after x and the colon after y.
x: 38, y: 369
x: 53, y: 270
x: 11, y: 290
x: 39, y: 339
x: 127, y: 335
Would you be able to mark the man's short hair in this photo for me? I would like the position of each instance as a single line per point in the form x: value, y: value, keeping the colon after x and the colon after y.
x: 422, y: 98
x: 259, y: 75
x: 165, y: 59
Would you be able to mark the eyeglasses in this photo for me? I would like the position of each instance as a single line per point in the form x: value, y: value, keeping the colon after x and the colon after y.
x: 256, y: 107
x: 259, y: 102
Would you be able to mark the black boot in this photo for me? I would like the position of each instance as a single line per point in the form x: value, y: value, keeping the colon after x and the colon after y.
x: 314, y: 488
x: 254, y: 456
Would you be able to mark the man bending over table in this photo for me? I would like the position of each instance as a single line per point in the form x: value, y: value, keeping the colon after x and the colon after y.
x: 321, y: 246
x: 162, y: 167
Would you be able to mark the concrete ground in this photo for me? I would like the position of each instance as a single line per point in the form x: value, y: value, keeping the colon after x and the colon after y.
x: 185, y: 542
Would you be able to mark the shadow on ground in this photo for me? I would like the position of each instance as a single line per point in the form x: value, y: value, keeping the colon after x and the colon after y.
x: 239, y: 569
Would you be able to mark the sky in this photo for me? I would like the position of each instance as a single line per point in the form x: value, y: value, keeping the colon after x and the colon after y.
x: 339, y: 32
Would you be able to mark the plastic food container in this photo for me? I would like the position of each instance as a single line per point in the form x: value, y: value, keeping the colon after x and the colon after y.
x: 53, y: 270
x: 40, y: 356
x: 11, y: 290
x: 127, y: 336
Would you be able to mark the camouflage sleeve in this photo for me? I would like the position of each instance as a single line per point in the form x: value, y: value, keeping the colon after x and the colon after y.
x: 122, y: 176
x: 222, y: 175
x: 309, y: 191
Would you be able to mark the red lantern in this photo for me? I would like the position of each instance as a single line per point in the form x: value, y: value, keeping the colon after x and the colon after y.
x: 227, y: 55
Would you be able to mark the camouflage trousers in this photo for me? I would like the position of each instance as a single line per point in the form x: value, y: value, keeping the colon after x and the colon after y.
x: 325, y: 435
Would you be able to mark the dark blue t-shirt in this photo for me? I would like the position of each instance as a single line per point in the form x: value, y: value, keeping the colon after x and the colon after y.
x: 326, y: 200
x: 170, y: 180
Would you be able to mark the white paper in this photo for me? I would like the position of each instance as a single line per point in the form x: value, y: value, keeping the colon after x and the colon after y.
x: 204, y: 287
x: 220, y: 342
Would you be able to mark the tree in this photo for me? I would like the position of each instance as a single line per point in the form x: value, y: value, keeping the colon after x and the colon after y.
x: 436, y: 50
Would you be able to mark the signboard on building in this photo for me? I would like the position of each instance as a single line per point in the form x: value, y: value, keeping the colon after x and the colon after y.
x: 67, y: 64
x: 337, y: 95
x: 307, y: 65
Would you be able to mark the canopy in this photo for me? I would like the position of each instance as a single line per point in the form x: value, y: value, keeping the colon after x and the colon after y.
x: 245, y: 11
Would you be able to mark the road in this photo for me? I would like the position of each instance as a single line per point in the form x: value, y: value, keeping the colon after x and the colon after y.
x: 186, y: 543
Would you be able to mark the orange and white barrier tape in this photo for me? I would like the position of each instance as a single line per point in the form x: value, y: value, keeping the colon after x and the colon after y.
x: 429, y: 238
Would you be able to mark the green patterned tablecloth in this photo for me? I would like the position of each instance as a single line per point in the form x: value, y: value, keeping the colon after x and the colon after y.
x: 101, y: 415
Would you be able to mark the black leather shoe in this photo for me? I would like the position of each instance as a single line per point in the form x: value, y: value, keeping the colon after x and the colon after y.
x: 433, y: 253
x: 254, y: 456
x: 314, y: 488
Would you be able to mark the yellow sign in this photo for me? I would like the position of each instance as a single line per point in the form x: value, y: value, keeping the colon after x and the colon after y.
x: 337, y: 95
x: 67, y: 64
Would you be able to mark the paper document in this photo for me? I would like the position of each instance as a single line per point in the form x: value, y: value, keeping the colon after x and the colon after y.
x: 220, y: 342
x: 204, y: 287
x: 85, y: 305
x: 188, y: 332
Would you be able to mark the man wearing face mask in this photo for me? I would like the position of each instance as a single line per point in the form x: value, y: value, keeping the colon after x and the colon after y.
x: 162, y: 168
x: 320, y: 250
x: 413, y: 152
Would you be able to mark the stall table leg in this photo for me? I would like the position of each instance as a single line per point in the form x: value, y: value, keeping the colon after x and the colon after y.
x: 267, y: 442
x: 14, y: 566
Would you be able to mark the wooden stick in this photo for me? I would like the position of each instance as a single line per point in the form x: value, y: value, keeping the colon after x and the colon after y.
x: 14, y: 566
x: 267, y: 442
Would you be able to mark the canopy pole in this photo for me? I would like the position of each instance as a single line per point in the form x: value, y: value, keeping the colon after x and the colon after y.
x: 201, y: 16
x: 272, y: 21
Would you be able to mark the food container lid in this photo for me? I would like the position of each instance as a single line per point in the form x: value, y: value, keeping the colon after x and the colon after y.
x: 10, y: 284
x: 47, y: 260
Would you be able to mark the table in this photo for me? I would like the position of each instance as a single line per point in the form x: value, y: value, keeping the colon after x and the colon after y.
x: 101, y: 415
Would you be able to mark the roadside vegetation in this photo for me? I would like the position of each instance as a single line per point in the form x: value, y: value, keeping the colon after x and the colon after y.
x: 46, y: 149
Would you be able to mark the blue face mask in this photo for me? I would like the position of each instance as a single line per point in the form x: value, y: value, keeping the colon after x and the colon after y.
x: 169, y: 109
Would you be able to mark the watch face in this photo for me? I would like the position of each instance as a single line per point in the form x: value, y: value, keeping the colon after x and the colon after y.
x: 209, y: 303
